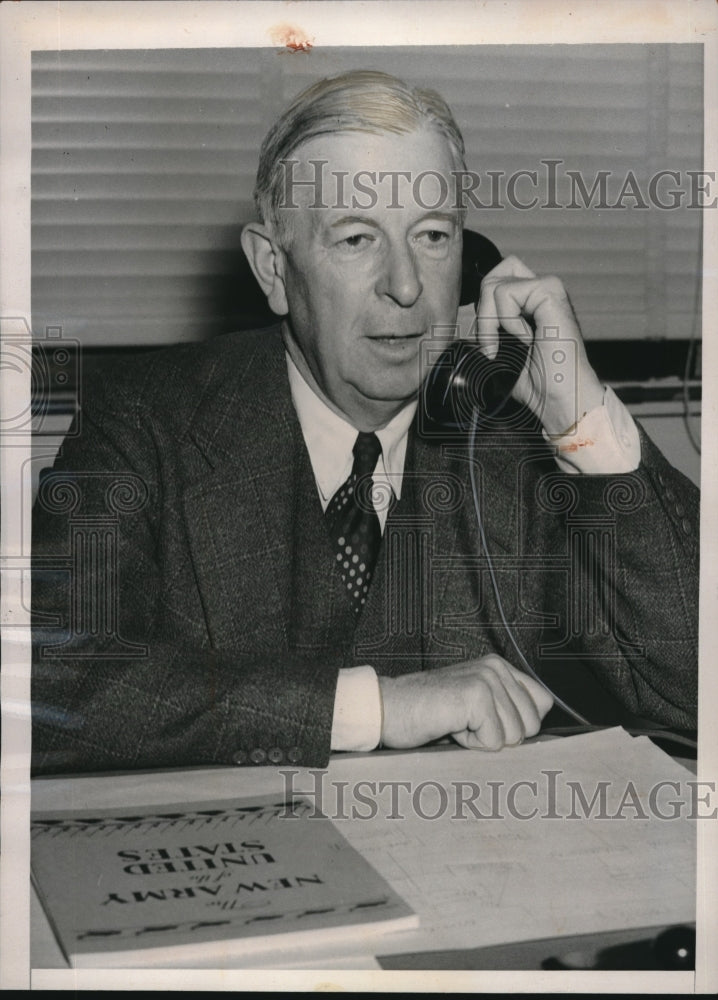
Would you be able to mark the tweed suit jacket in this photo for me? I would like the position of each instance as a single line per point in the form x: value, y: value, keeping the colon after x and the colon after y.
x: 188, y: 609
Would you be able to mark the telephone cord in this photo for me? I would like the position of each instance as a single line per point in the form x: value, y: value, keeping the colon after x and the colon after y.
x: 525, y: 665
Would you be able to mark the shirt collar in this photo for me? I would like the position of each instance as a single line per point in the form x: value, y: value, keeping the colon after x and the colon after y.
x: 330, y: 439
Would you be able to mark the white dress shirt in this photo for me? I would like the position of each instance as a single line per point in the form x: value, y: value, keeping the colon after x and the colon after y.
x: 604, y: 441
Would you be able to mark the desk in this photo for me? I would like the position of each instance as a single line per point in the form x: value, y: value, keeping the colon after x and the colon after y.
x: 488, y: 894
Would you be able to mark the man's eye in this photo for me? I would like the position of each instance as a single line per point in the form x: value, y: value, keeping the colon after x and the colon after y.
x: 433, y: 237
x: 357, y: 240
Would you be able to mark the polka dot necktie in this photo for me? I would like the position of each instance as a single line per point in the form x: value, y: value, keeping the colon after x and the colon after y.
x: 353, y: 524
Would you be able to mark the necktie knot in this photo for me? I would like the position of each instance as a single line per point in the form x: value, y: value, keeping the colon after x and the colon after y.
x: 367, y: 449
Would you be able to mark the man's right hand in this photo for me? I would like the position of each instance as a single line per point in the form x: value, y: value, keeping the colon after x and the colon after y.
x: 484, y: 704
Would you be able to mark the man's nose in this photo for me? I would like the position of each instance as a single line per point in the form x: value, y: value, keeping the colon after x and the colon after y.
x: 400, y: 277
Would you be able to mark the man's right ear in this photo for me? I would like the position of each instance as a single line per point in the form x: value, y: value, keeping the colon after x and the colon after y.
x: 267, y: 262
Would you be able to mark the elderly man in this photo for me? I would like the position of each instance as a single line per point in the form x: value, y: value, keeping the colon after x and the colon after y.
x: 295, y: 564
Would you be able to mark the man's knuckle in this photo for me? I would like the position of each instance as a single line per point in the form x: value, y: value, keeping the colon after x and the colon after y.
x: 553, y: 286
x: 479, y: 687
x: 492, y: 741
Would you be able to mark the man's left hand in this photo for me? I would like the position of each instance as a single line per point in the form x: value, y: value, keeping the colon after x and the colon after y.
x: 558, y: 384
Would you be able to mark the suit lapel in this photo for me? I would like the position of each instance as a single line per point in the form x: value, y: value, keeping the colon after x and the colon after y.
x: 239, y: 511
x: 254, y: 518
x: 398, y: 625
x: 465, y: 618
x: 444, y: 494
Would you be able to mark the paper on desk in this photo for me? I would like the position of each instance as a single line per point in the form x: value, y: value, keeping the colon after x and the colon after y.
x: 573, y: 868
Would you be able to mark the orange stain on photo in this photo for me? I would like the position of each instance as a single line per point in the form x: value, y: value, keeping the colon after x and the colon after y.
x: 291, y: 37
x: 575, y: 445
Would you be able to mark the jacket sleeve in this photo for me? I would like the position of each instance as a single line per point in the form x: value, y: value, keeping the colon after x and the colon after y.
x: 627, y: 607
x: 120, y: 678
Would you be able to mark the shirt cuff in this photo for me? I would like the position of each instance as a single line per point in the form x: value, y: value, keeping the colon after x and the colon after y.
x: 605, y: 441
x: 357, y: 710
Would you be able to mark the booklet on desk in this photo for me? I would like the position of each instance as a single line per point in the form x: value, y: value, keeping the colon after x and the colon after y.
x: 153, y: 886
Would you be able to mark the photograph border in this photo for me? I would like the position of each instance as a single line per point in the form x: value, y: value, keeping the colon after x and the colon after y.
x: 127, y: 24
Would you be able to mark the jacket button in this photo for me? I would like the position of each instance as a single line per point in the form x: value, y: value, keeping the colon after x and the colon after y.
x: 258, y: 755
x: 670, y: 496
x: 686, y: 525
x: 680, y: 509
x: 239, y: 757
x: 294, y: 755
x: 276, y: 755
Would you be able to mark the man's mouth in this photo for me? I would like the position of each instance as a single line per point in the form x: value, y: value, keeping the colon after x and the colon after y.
x: 396, y: 338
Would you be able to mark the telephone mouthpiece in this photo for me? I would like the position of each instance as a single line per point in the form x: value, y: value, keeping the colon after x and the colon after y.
x: 463, y: 380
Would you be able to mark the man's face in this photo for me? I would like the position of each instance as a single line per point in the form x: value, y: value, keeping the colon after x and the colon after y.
x: 369, y: 276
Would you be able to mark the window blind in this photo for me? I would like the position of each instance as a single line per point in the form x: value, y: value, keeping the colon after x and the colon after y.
x: 143, y: 166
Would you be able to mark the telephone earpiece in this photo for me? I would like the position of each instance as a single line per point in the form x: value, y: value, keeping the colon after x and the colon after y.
x: 478, y: 257
x: 462, y: 379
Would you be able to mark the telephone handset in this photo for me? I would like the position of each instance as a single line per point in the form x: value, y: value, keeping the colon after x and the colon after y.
x: 462, y: 379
